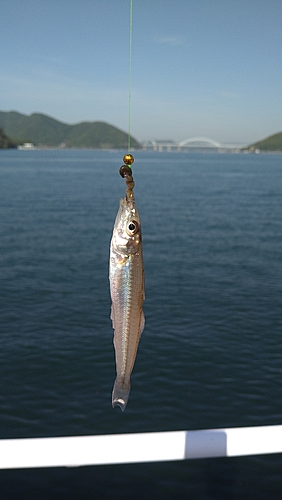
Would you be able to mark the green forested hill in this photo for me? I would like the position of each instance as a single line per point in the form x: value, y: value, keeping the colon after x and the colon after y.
x: 46, y: 131
x: 271, y: 143
x: 5, y: 141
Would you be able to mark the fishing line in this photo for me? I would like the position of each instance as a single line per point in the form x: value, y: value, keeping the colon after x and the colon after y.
x: 130, y: 74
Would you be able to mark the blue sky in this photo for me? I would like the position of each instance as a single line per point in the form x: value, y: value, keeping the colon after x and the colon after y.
x: 208, y: 68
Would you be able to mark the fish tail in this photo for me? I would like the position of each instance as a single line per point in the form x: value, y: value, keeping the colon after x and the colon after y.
x: 120, y: 394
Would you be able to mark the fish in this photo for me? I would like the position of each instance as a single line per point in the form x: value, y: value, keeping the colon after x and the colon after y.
x: 126, y: 275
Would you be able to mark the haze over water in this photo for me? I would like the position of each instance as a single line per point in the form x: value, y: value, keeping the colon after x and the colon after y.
x: 210, y: 355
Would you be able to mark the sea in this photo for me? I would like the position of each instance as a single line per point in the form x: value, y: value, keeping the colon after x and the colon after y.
x: 211, y: 352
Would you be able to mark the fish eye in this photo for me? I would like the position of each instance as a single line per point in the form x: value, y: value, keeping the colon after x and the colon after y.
x: 132, y: 227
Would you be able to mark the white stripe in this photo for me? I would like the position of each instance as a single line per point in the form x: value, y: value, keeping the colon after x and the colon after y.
x: 132, y: 448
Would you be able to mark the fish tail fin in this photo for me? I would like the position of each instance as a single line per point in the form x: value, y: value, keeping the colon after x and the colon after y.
x: 120, y: 395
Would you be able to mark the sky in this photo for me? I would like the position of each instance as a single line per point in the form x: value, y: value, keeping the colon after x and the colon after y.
x: 200, y: 68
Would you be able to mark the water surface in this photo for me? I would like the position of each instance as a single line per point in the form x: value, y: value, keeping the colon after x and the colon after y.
x: 210, y: 355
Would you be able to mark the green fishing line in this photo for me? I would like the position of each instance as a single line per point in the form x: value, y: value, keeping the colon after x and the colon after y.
x: 130, y: 74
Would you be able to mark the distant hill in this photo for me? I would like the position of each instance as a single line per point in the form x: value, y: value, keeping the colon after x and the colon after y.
x: 5, y: 141
x: 271, y: 143
x: 46, y: 131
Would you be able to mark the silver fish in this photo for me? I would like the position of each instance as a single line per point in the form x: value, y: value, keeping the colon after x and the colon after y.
x: 127, y: 294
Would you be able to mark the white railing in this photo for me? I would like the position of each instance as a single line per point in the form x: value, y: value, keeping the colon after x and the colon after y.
x: 143, y: 447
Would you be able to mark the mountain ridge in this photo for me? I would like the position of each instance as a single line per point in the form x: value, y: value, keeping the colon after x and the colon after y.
x: 43, y: 130
x: 271, y: 143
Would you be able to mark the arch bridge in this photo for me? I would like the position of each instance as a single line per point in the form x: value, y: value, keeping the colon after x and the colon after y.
x: 200, y: 142
x: 192, y: 142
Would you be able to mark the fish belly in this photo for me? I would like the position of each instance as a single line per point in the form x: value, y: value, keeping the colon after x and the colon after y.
x: 127, y: 293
